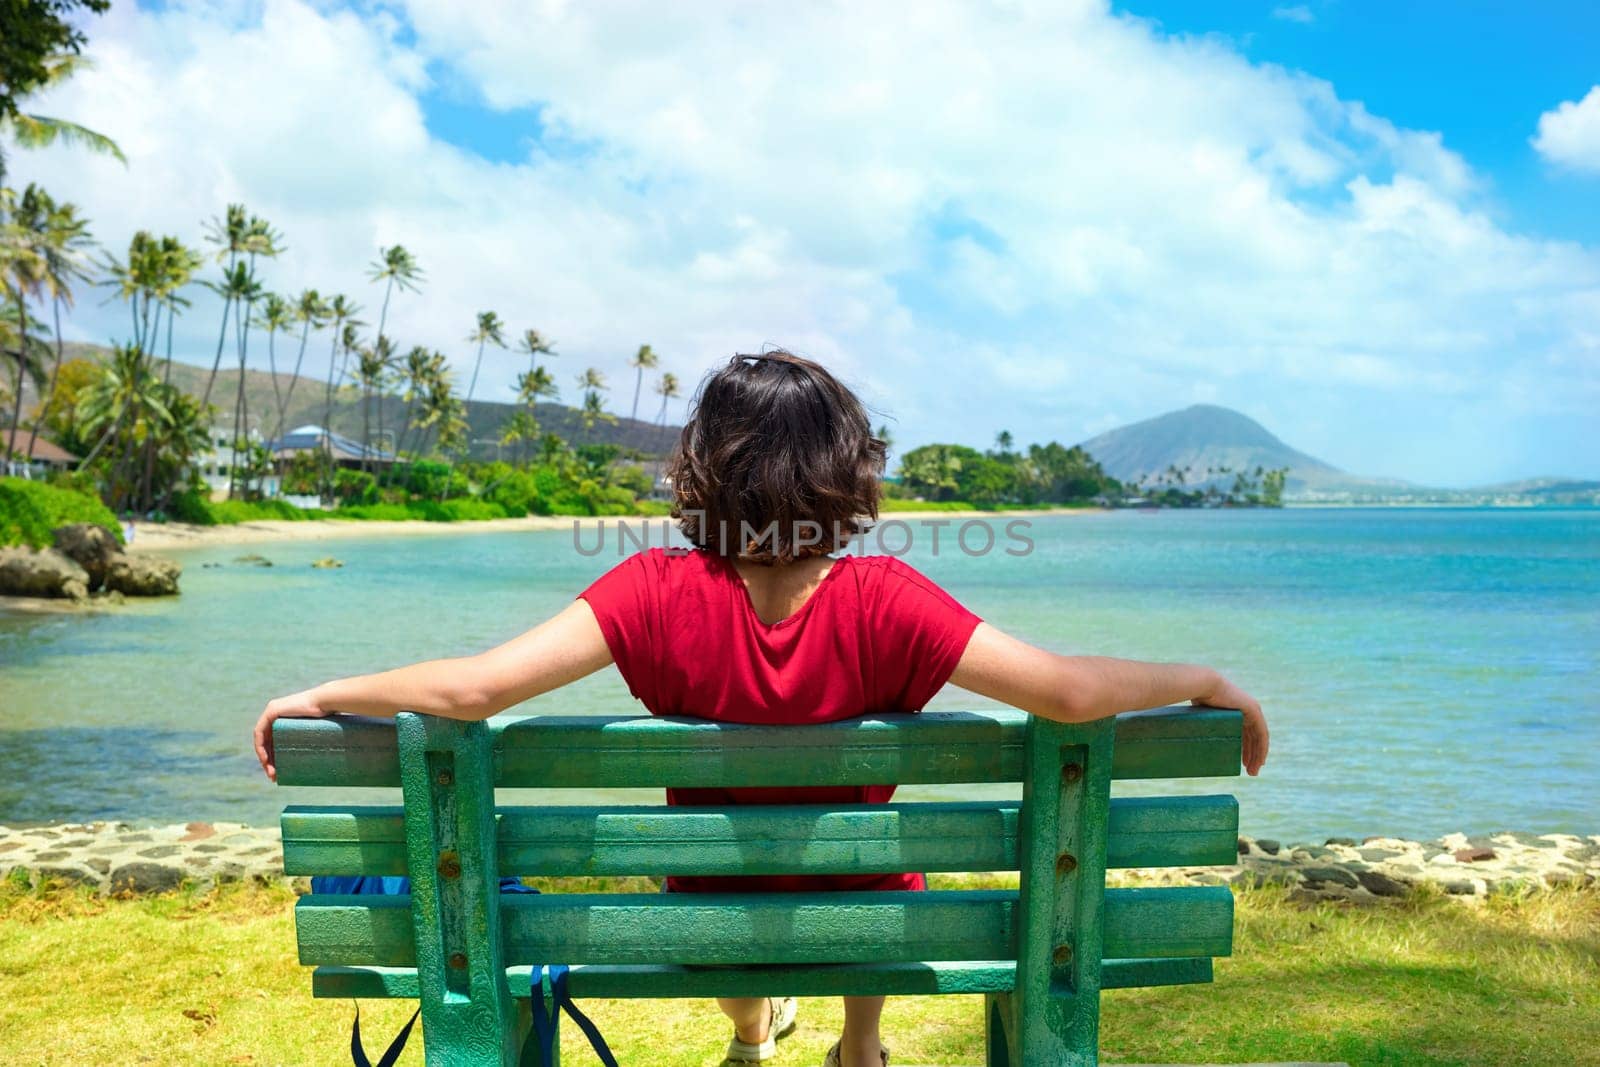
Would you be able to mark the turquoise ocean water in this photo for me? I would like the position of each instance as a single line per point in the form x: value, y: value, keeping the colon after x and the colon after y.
x: 1424, y: 670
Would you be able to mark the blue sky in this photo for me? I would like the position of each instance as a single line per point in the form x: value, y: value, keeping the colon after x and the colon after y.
x: 1474, y: 71
x: 1374, y: 228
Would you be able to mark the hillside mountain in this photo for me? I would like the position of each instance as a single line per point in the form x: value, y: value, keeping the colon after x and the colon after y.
x: 307, y: 406
x: 1207, y: 437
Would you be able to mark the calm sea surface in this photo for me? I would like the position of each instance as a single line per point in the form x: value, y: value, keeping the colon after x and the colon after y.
x: 1424, y: 671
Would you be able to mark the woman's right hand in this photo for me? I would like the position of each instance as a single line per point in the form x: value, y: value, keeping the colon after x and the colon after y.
x: 1256, y: 738
x: 302, y: 705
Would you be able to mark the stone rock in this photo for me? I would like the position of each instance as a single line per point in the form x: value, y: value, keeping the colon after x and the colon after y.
x: 90, y: 547
x: 1336, y: 875
x: 1350, y: 841
x: 255, y: 559
x: 73, y: 875
x: 140, y: 575
x: 145, y: 878
x: 1473, y: 855
x: 198, y: 831
x: 1268, y: 845
x: 326, y: 563
x: 24, y: 572
x: 1380, y: 884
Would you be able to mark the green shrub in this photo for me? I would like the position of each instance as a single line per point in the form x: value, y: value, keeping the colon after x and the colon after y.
x: 196, y: 506
x: 466, y: 509
x: 376, y: 512
x: 30, y: 510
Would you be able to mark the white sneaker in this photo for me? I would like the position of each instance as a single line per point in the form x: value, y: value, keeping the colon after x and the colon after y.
x: 782, y: 1025
x: 832, y: 1058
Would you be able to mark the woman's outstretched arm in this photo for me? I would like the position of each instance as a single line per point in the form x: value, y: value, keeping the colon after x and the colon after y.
x: 1083, y: 688
x: 562, y: 650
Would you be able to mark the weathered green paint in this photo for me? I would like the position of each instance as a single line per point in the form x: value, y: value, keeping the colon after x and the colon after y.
x: 446, y: 772
x: 652, y: 840
x: 603, y: 752
x: 705, y: 928
x: 462, y: 949
x: 665, y: 981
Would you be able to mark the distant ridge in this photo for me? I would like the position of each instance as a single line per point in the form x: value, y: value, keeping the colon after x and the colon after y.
x: 1207, y: 437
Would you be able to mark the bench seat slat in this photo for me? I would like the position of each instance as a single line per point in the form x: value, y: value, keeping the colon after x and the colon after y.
x: 778, y: 839
x: 635, y: 751
x: 786, y: 928
x: 857, y: 979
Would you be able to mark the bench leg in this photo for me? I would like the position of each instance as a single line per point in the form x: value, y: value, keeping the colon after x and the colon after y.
x: 999, y: 1029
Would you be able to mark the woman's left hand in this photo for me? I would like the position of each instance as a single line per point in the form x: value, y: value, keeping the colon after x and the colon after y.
x: 302, y: 705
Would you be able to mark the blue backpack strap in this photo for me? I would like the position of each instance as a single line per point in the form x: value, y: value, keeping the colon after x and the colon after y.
x: 539, y: 1049
x: 391, y: 1055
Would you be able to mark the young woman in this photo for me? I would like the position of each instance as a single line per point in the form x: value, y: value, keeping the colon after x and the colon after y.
x: 767, y: 622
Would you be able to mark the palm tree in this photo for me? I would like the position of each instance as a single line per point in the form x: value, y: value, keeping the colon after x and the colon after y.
x: 535, y: 345
x: 372, y: 370
x: 312, y: 313
x: 645, y: 357
x: 229, y: 234
x: 420, y: 369
x: 666, y: 389
x: 523, y: 426
x: 882, y: 433
x: 395, y: 266
x: 341, y: 321
x: 23, y: 272
x: 138, y: 281
x: 66, y: 246
x: 41, y: 131
x: 490, y: 331
x: 276, y: 314
x: 592, y: 383
x: 121, y: 406
x: 441, y: 413
x: 179, y: 262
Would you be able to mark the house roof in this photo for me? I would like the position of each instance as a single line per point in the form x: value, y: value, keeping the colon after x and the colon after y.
x: 44, y: 450
x: 309, y: 438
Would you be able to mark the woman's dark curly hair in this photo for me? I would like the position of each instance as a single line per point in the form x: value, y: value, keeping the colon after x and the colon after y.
x: 776, y: 463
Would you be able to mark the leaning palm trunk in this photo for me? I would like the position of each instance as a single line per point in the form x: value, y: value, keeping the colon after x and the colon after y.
x: 288, y: 396
x: 16, y: 410
x: 327, y: 419
x: 216, y: 363
x: 55, y: 376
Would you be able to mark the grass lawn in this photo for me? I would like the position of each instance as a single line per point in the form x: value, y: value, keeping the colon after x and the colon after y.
x: 211, y: 979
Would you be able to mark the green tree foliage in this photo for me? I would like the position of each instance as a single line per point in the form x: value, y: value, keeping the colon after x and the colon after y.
x: 1044, y: 474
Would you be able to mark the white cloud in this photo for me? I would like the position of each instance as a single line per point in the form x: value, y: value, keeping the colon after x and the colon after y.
x: 1570, y: 133
x: 1023, y: 215
x: 1294, y: 13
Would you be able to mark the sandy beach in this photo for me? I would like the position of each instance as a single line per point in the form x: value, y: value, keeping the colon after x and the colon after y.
x: 156, y: 537
x: 150, y: 537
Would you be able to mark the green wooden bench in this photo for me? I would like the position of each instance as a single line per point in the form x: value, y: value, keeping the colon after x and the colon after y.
x: 1040, y: 956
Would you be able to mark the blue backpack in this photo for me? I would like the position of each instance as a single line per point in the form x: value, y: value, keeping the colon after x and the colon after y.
x: 539, y: 1048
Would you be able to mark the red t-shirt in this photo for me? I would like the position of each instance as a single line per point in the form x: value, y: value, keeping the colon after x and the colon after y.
x: 874, y: 636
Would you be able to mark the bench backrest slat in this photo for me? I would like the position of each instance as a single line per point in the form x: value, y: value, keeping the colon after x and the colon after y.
x: 611, y: 752
x: 656, y: 841
x: 776, y: 928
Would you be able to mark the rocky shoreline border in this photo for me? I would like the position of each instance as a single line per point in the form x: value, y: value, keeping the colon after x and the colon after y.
x: 118, y: 858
